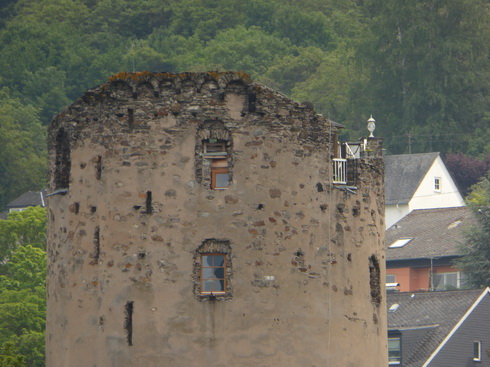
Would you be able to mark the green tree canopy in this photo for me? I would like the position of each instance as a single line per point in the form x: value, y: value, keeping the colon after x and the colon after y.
x: 27, y: 227
x: 475, y: 262
x: 22, y: 148
x: 23, y: 307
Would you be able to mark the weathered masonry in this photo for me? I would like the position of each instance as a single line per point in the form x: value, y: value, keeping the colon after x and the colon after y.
x: 198, y: 219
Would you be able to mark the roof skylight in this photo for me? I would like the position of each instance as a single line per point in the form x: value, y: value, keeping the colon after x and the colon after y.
x: 400, y: 243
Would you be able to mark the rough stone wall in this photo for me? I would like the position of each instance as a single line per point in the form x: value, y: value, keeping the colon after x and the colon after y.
x: 131, y: 210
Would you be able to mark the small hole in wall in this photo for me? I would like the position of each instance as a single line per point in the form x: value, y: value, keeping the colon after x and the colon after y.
x: 252, y: 98
x: 148, y: 202
x: 137, y: 207
x: 128, y: 321
x: 141, y: 255
x: 299, y: 253
x: 77, y: 208
x: 319, y: 187
x: 374, y: 280
x: 130, y: 117
x: 156, y: 94
x: 93, y: 209
x: 135, y: 95
x: 97, y: 243
x: 98, y: 167
x: 260, y: 207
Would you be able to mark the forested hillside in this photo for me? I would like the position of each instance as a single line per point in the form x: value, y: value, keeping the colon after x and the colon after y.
x: 420, y: 67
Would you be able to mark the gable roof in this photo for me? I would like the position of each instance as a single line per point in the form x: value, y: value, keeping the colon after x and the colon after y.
x: 433, y: 233
x: 438, y: 312
x: 29, y: 198
x: 403, y: 175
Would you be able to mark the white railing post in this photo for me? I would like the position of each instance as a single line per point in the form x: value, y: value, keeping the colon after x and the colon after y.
x: 339, y: 171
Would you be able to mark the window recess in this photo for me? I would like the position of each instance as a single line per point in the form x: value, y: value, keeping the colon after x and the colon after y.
x: 212, y: 270
x: 477, y: 351
x: 216, y: 155
x: 394, y: 351
x: 437, y: 184
x: 213, y: 274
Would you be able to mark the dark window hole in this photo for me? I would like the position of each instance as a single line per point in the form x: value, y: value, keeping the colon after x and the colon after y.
x: 148, y: 202
x: 128, y: 321
x: 97, y: 243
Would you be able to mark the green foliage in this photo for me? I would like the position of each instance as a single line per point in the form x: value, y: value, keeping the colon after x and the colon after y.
x: 27, y: 227
x: 9, y: 357
x: 475, y: 262
x: 429, y: 71
x: 480, y: 194
x: 245, y: 49
x: 23, y: 307
x: 22, y: 148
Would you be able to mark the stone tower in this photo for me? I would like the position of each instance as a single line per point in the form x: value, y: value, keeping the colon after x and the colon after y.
x: 194, y: 220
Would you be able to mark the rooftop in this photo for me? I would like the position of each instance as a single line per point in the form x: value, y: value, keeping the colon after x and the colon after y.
x: 432, y: 233
x: 436, y: 312
x: 29, y: 198
x: 403, y: 175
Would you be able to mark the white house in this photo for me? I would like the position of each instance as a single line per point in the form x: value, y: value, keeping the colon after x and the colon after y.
x: 417, y: 181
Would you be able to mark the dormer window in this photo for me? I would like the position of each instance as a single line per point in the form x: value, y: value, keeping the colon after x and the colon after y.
x: 215, y: 152
x: 437, y: 184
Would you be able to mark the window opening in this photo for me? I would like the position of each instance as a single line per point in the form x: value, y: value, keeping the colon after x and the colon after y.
x: 62, y: 160
x: 447, y: 281
x: 97, y: 243
x: 215, y: 152
x: 128, y: 322
x: 212, y: 270
x: 374, y: 280
x: 477, y: 351
x: 148, y: 202
x: 437, y: 184
x: 130, y: 118
x: 400, y: 243
x: 391, y: 284
x: 394, y: 352
x: 98, y: 167
x: 213, y: 273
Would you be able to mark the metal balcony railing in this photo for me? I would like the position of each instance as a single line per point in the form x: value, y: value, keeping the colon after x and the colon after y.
x: 339, y: 171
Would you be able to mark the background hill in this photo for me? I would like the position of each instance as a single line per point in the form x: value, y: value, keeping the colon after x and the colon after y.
x: 420, y: 67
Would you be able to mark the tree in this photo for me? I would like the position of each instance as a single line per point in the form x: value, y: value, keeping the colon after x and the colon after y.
x: 22, y: 148
x: 475, y: 262
x: 245, y: 49
x: 466, y: 170
x: 23, y: 307
x: 429, y: 71
x: 27, y: 227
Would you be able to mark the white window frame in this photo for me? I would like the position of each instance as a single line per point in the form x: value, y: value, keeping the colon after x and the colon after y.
x: 477, y: 356
x: 437, y: 184
x: 399, y: 359
x: 459, y: 277
x: 16, y: 210
x: 400, y: 242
